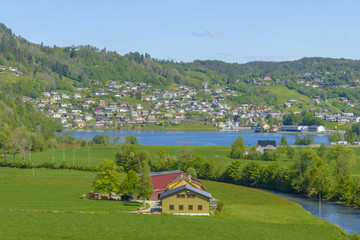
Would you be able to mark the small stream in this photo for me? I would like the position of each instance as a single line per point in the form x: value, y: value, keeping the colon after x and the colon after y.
x: 345, y: 217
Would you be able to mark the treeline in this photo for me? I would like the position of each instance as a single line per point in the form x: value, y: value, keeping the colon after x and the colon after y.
x: 324, y: 173
x: 306, y: 118
x: 308, y: 173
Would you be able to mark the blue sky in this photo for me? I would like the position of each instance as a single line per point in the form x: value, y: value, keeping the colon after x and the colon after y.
x: 231, y: 31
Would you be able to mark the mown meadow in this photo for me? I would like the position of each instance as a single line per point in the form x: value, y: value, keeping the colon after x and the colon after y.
x: 218, y: 154
x: 48, y: 204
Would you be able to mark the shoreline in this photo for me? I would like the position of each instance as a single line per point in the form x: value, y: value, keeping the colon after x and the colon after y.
x: 247, y: 130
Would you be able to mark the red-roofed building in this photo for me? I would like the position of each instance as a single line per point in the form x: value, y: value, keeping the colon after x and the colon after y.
x: 161, y: 180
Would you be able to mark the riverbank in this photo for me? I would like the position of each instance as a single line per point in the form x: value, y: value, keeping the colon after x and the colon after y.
x: 347, y: 218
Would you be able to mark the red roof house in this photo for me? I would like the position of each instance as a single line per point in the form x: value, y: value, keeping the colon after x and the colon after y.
x: 160, y: 181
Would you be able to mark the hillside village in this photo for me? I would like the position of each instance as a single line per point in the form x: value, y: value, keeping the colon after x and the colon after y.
x: 126, y: 104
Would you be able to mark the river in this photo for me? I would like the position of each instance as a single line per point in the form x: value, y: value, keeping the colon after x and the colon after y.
x: 345, y: 217
x: 193, y: 138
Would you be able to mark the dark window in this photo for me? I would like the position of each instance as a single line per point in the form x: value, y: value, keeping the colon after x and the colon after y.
x: 191, y: 195
x: 191, y: 207
x: 200, y: 207
x: 171, y: 207
x: 181, y: 207
x: 180, y: 195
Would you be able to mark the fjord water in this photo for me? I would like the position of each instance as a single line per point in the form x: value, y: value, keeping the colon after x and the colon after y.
x: 193, y: 138
x: 345, y: 217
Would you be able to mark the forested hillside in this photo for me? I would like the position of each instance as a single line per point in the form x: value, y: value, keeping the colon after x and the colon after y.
x: 63, y: 68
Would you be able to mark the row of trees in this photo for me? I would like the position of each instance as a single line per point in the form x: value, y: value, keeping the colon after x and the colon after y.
x: 19, y: 140
x: 309, y: 172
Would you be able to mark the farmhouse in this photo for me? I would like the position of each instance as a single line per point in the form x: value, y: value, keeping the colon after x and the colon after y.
x: 168, y: 180
x: 186, y: 200
x: 266, y: 146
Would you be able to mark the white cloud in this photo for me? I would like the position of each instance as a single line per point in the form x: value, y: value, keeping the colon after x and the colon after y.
x: 351, y: 34
x: 209, y: 33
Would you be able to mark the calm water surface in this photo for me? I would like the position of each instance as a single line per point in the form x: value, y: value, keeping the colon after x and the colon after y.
x: 345, y: 217
x: 194, y: 138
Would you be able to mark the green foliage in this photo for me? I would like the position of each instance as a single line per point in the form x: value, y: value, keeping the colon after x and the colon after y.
x: 192, y: 172
x: 319, y: 178
x: 232, y: 172
x: 103, y: 139
x: 237, y: 149
x: 344, y: 159
x: 350, y: 136
x: 67, y: 138
x: 251, y: 173
x: 307, y: 140
x: 131, y: 139
x: 270, y: 156
x: 283, y: 141
x: 311, y: 173
x: 220, y: 205
x: 109, y: 177
x: 305, y: 118
x: 335, y: 137
x: 129, y: 184
x: 83, y: 143
x: 144, y: 187
x: 126, y: 157
x: 322, y: 150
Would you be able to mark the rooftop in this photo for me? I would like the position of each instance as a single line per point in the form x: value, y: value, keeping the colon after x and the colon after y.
x: 187, y: 187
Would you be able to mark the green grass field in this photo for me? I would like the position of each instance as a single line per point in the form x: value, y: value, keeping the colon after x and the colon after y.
x: 49, y: 206
x: 219, y: 154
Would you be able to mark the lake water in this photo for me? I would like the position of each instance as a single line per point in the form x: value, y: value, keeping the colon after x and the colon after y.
x: 345, y: 217
x: 193, y: 138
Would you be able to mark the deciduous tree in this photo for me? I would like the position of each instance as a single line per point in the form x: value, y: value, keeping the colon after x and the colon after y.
x: 109, y: 177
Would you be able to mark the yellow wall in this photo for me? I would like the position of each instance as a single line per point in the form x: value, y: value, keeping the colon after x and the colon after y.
x: 175, y: 201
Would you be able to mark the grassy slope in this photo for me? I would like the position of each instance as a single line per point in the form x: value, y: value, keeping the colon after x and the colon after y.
x: 283, y: 93
x: 249, y: 213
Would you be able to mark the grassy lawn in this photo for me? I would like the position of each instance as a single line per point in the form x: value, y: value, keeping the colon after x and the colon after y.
x: 248, y: 214
x: 219, y: 154
x: 51, y: 190
x: 98, y: 153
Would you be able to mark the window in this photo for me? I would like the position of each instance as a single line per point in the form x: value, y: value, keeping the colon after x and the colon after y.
x: 200, y: 207
x: 171, y: 207
x: 181, y: 207
x: 180, y: 195
x: 190, y: 207
x: 191, y: 195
